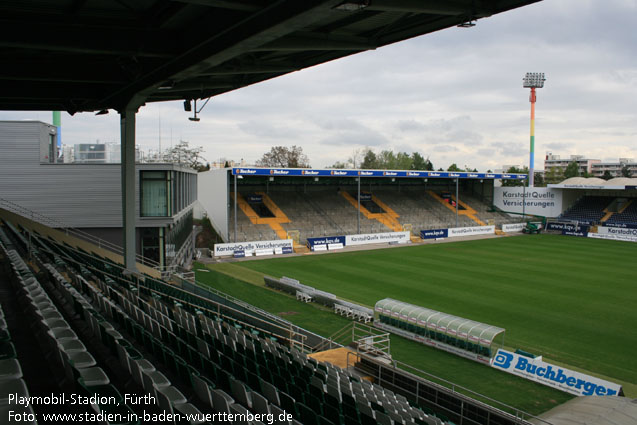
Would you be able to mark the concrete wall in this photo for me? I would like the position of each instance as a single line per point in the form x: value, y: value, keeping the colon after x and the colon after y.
x: 214, y: 199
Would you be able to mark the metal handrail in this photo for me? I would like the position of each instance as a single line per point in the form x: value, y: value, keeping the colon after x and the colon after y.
x: 69, y: 230
x: 464, y: 391
x: 328, y: 342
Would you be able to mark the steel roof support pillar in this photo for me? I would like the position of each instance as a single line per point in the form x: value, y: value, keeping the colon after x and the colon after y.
x: 127, y: 127
x: 457, y: 199
x: 359, y: 205
x: 235, y: 208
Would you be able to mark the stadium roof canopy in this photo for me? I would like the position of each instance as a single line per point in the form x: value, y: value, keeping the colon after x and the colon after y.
x: 91, y: 55
x: 337, y: 172
x: 618, y: 183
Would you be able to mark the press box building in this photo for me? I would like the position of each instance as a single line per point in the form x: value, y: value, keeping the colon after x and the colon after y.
x: 87, y: 197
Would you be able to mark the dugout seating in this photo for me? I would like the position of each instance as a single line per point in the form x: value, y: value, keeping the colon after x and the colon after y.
x: 173, y: 346
x: 437, y: 336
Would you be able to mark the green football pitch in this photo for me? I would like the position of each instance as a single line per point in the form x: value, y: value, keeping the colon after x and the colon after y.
x: 572, y: 300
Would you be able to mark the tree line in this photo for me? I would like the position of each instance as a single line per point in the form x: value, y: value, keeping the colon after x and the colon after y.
x: 365, y: 159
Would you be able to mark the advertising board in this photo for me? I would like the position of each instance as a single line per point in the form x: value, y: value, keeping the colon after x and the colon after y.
x: 542, y: 201
x: 228, y: 249
x: 377, y: 238
x: 622, y: 225
x: 471, y: 231
x: 562, y: 226
x: 614, y: 233
x: 513, y: 227
x: 434, y: 233
x: 553, y: 376
x: 325, y: 240
x: 312, y: 172
x: 617, y: 231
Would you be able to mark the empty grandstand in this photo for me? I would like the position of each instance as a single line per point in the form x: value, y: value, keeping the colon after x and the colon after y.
x: 587, y: 210
x: 318, y: 203
x: 626, y: 212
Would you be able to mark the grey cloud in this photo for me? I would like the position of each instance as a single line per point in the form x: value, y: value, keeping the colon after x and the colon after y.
x: 410, y: 125
x: 444, y: 148
x: 506, y: 149
x: 340, y: 132
x: 559, y: 146
x: 261, y: 129
x: 363, y: 138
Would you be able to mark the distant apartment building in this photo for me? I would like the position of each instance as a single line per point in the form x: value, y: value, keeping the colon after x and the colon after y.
x: 555, y: 163
x: 223, y: 163
x: 97, y: 153
x: 615, y: 168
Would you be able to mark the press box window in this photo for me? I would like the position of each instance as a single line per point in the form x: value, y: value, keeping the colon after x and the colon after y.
x: 155, y: 194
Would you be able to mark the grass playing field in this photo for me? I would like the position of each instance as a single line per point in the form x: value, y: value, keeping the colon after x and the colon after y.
x: 573, y: 300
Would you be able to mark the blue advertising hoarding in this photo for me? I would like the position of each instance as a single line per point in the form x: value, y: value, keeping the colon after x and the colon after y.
x: 581, y: 234
x: 434, y: 233
x: 310, y: 172
x: 566, y: 227
x: 326, y: 240
x: 621, y: 225
x: 254, y: 199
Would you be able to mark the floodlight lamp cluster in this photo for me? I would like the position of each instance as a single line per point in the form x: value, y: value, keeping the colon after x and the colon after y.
x: 534, y: 80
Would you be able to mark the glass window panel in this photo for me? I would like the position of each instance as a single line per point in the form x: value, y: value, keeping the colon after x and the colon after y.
x: 154, y: 196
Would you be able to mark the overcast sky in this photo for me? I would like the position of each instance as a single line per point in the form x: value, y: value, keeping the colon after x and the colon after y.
x: 454, y: 96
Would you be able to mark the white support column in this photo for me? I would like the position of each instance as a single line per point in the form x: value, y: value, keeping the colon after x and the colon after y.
x: 359, y: 204
x: 127, y: 126
x: 235, y: 207
x: 457, y: 201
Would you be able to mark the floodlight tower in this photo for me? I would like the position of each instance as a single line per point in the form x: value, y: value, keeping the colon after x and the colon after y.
x: 533, y: 80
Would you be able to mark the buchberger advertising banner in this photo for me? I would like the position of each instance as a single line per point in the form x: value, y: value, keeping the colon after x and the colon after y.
x: 377, y: 238
x: 228, y: 249
x: 470, y: 231
x: 543, y: 201
x: 553, y: 376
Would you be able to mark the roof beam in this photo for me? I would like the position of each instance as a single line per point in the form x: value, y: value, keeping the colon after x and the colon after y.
x: 432, y: 7
x: 100, y: 41
x: 312, y: 41
x: 252, y: 69
x: 245, y: 6
x: 278, y: 19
